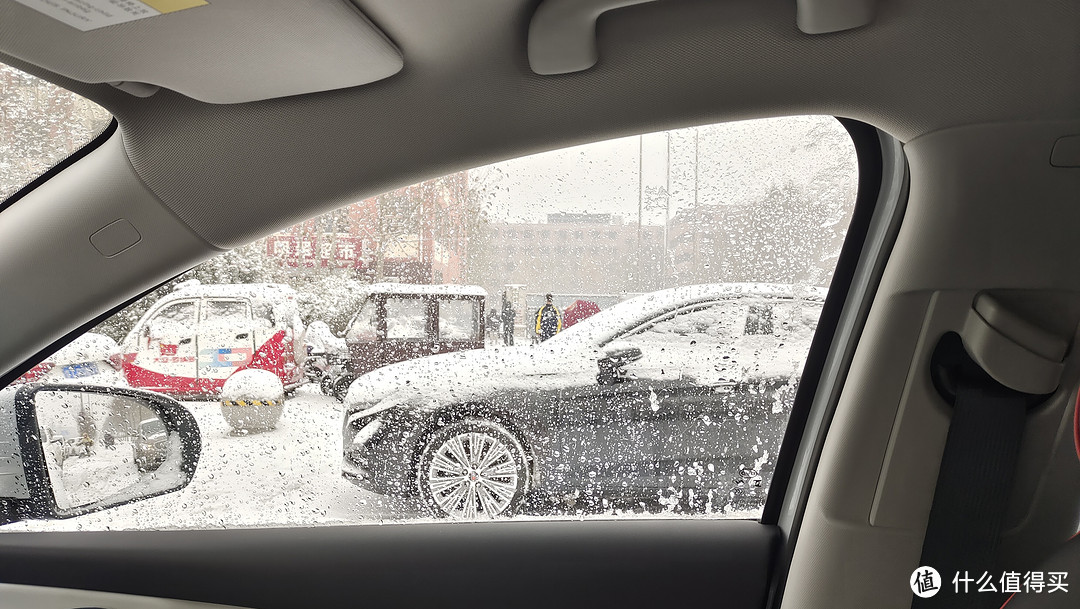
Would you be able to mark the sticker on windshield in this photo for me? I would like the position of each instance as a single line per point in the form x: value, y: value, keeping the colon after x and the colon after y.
x: 87, y: 15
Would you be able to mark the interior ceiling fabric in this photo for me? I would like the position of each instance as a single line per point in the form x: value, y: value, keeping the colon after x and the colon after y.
x: 467, y: 96
x: 226, y: 51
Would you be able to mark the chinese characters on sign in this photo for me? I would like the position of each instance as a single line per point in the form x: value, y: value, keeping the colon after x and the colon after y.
x: 340, y: 252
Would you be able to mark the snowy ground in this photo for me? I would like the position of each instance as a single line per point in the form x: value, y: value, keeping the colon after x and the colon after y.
x: 290, y: 476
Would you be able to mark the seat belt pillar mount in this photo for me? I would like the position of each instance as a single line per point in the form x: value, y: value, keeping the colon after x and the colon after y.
x: 1013, y: 351
x: 992, y: 374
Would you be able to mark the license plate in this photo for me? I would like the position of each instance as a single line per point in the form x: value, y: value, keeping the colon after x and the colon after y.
x: 74, y: 371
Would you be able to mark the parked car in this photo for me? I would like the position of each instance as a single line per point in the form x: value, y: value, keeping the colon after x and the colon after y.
x: 151, y: 445
x: 397, y: 322
x: 196, y: 337
x: 90, y: 358
x: 677, y: 393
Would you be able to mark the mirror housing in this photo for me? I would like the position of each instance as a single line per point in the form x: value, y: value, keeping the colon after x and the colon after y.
x: 611, y: 364
x: 120, y: 445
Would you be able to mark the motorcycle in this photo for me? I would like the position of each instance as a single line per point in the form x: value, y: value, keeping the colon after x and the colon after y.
x: 326, y: 370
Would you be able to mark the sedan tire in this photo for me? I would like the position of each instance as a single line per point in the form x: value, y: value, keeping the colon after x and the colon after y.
x: 473, y: 470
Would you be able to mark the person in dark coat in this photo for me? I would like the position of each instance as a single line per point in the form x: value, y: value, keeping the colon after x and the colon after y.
x: 508, y: 315
x: 491, y: 325
x: 548, y: 320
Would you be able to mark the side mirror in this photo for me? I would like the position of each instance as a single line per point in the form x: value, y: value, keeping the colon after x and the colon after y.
x: 67, y: 450
x: 612, y: 362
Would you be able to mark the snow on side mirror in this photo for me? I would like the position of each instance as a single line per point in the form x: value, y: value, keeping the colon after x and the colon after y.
x: 67, y: 450
x: 611, y: 364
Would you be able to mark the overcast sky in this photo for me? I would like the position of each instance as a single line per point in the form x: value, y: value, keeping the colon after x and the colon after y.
x: 737, y: 162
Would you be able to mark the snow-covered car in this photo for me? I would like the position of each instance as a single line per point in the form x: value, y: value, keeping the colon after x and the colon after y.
x: 151, y: 445
x: 193, y: 339
x: 400, y: 321
x: 91, y: 358
x: 678, y: 395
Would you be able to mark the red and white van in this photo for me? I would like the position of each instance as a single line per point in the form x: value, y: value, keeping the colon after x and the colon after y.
x: 193, y: 339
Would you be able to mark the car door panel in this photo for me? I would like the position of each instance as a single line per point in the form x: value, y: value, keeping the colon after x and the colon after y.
x: 601, y: 439
x: 518, y: 564
x: 164, y: 355
x: 225, y: 340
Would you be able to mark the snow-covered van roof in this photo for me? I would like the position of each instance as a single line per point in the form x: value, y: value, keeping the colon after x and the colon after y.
x: 444, y: 289
x: 259, y: 291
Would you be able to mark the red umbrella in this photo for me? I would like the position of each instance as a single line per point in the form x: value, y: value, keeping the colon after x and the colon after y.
x: 579, y: 310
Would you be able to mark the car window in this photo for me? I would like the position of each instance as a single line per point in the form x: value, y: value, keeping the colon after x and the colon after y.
x: 40, y: 125
x: 173, y: 320
x: 713, y: 323
x: 406, y: 318
x: 362, y: 328
x: 225, y: 312
x: 648, y: 306
x: 459, y: 319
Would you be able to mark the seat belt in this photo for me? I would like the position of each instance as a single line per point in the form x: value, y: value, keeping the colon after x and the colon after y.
x: 976, y: 473
x: 972, y: 493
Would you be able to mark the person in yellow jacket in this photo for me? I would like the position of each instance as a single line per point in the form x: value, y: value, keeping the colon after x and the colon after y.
x: 548, y: 320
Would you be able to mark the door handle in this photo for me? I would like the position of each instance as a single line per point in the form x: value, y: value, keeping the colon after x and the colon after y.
x: 241, y: 336
x: 185, y: 341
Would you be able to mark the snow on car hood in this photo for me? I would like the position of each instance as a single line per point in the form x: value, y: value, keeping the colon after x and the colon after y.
x: 464, y: 374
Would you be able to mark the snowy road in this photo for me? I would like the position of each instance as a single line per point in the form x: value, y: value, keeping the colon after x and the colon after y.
x: 289, y: 476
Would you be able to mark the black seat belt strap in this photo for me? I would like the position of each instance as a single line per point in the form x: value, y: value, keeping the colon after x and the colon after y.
x: 972, y: 493
x: 974, y: 480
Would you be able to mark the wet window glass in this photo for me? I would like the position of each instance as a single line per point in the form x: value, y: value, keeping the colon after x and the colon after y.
x: 173, y: 320
x: 686, y: 272
x: 225, y: 312
x: 459, y: 319
x: 40, y: 125
x: 406, y: 318
x: 363, y: 326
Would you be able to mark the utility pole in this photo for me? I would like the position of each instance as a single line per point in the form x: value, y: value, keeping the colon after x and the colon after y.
x: 640, y: 203
x: 695, y: 225
x: 665, y: 263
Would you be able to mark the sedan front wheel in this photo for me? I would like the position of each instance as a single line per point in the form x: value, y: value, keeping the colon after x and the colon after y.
x: 473, y: 470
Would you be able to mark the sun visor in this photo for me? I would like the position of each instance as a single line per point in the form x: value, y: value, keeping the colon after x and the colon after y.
x: 218, y: 51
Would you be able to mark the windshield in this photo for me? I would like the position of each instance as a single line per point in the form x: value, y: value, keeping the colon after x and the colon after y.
x: 40, y: 125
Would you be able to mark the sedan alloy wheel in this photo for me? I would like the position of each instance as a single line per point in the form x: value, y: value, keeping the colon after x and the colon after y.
x: 472, y: 470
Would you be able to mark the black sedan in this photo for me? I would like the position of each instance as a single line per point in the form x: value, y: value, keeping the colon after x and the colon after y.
x: 679, y: 396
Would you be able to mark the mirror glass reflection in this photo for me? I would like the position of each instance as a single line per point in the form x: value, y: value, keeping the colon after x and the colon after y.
x: 102, y: 448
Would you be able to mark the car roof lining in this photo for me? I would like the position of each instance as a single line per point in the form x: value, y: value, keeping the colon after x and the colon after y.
x: 467, y: 97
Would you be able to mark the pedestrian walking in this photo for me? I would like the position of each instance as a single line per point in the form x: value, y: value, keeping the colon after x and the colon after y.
x: 548, y: 319
x: 491, y: 325
x: 507, y: 319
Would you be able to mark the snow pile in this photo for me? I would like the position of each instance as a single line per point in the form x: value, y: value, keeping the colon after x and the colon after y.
x: 253, y: 385
x: 89, y: 347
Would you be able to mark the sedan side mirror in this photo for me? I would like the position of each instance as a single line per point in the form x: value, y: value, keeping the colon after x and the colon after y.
x: 67, y: 450
x: 611, y: 364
